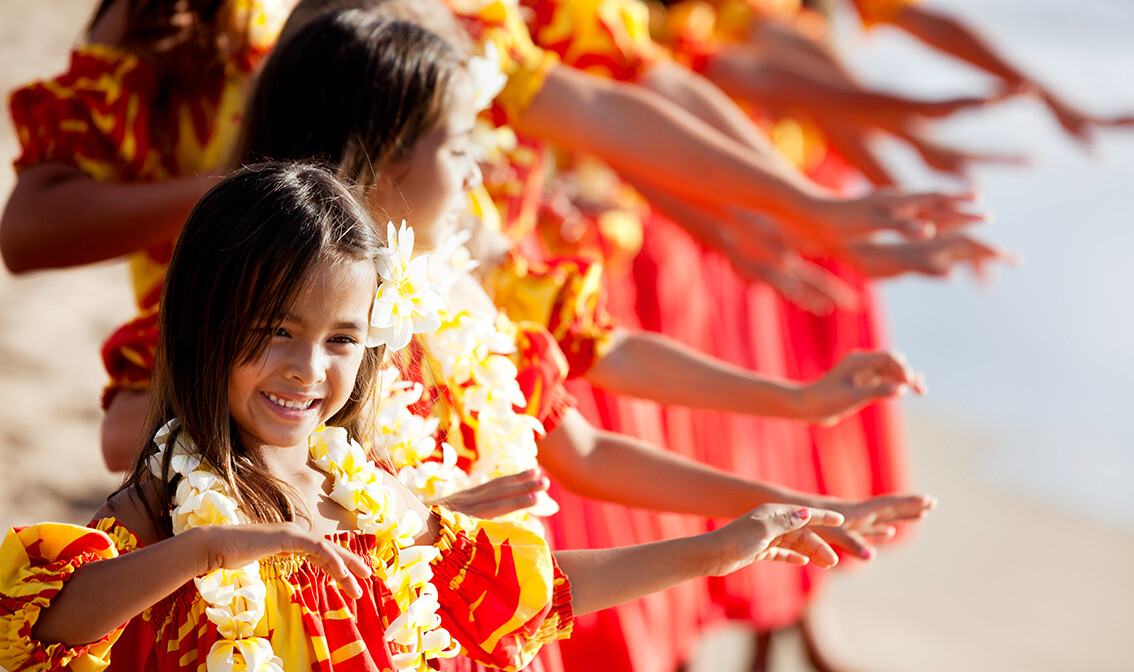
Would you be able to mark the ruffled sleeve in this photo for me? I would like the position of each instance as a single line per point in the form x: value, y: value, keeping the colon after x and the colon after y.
x: 525, y: 64
x: 35, y: 563
x: 565, y: 296
x: 94, y: 116
x: 542, y: 370
x: 501, y: 593
x: 609, y: 38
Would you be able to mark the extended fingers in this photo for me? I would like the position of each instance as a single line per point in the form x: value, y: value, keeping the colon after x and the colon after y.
x: 848, y: 541
x: 808, y: 544
x: 944, y: 108
x: 776, y: 554
x: 894, y: 508
x: 339, y: 563
x: 884, y: 373
x: 502, y: 495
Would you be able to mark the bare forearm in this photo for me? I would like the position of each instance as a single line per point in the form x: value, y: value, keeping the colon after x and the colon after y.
x: 100, y: 596
x: 700, y: 222
x: 640, y: 132
x: 657, y: 368
x: 704, y: 100
x: 608, y: 577
x: 611, y: 467
x: 58, y: 217
x: 787, y: 85
x: 954, y: 37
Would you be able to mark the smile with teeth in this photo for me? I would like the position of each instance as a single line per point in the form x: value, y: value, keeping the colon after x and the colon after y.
x: 287, y: 403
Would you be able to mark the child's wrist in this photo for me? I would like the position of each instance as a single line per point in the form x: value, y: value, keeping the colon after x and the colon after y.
x: 198, y: 552
x: 799, y: 400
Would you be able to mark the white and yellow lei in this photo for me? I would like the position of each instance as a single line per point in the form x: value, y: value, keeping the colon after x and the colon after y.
x: 473, y: 355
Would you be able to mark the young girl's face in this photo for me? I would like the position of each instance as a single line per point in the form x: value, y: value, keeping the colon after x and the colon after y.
x: 308, y: 371
x: 430, y: 189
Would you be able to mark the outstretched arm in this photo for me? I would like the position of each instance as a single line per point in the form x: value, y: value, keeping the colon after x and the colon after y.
x: 609, y: 577
x: 101, y: 596
x: 954, y: 37
x: 58, y: 216
x: 641, y: 133
x: 654, y: 367
x: 746, y: 73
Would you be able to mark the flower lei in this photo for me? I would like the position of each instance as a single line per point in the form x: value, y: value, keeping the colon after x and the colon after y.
x: 236, y: 597
x: 473, y: 357
x: 406, y: 302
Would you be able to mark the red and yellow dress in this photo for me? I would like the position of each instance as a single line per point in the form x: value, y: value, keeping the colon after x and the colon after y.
x: 541, y: 371
x: 692, y: 294
x: 609, y: 39
x: 863, y: 455
x: 501, y: 594
x: 648, y: 633
x: 567, y: 295
x: 103, y: 117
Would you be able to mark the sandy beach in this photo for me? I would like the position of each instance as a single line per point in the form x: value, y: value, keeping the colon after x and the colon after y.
x: 998, y: 578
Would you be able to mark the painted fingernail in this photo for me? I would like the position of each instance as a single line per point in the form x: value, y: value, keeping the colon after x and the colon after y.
x: 803, y: 514
x: 867, y: 554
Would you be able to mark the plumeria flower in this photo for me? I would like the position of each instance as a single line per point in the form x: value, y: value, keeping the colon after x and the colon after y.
x: 207, y: 508
x: 332, y: 448
x: 406, y: 437
x: 434, y: 479
x: 220, y: 586
x: 185, y: 458
x: 496, y: 385
x: 487, y: 79
x: 414, y: 572
x: 451, y: 260
x: 420, y: 615
x: 440, y: 644
x: 407, y: 303
x: 243, y: 655
x: 409, y: 526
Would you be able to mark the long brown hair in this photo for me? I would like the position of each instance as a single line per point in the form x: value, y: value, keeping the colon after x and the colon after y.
x: 355, y: 89
x: 245, y: 254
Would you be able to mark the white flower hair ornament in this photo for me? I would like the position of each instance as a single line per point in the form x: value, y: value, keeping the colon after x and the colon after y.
x: 487, y: 78
x: 408, y: 302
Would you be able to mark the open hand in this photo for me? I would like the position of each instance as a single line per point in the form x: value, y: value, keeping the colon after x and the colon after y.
x: 937, y: 257
x: 857, y: 380
x: 1079, y: 124
x: 777, y: 532
x: 958, y: 162
x: 873, y: 520
x: 501, y: 495
x: 235, y: 546
x: 915, y: 216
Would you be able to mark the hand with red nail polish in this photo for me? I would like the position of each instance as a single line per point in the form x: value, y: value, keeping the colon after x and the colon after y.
x: 776, y: 532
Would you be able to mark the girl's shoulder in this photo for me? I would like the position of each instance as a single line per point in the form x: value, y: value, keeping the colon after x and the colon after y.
x: 135, y: 509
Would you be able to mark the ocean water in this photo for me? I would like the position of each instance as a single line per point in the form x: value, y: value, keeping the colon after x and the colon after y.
x: 1042, y: 359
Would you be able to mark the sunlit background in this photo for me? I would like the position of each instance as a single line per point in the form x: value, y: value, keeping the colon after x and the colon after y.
x: 1043, y: 357
x: 1026, y: 437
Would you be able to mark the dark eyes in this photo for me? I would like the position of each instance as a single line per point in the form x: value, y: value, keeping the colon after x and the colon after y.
x: 282, y: 332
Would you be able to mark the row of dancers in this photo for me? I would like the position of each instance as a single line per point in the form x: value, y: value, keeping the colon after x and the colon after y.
x: 624, y: 293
